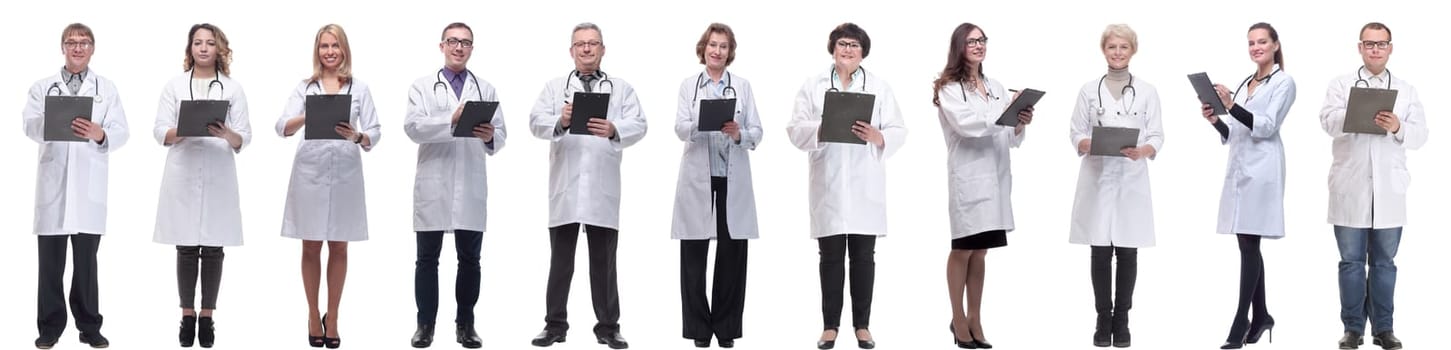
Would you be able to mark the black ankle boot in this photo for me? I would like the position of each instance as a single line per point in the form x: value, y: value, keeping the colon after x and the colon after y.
x: 188, y: 331
x: 1121, y: 329
x: 1103, y: 333
x: 206, y: 333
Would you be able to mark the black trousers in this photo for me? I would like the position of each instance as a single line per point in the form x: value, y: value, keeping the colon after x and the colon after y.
x: 834, y: 251
x: 191, y: 260
x: 1112, y: 295
x: 50, y: 298
x: 604, y: 291
x: 469, y: 246
x: 720, y: 315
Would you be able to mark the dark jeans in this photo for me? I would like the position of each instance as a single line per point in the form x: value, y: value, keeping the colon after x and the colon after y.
x: 720, y: 315
x: 604, y: 290
x: 834, y: 251
x: 51, y: 300
x: 191, y: 260
x: 469, y: 246
x: 1106, y: 301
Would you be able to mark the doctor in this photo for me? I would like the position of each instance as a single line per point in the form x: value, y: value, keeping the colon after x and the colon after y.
x: 848, y: 181
x: 714, y: 199
x: 584, y: 185
x: 325, y: 201
x: 1113, y: 211
x: 1368, y: 218
x: 1252, y: 205
x: 450, y: 188
x: 70, y: 190
x: 199, y: 211
x: 979, y: 174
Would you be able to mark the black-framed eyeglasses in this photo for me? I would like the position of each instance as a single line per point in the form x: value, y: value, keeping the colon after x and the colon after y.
x: 976, y: 41
x: 848, y: 44
x: 455, y: 42
x: 1372, y: 44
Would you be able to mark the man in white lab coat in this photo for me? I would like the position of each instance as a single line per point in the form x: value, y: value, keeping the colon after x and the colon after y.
x: 70, y: 189
x: 1368, y: 215
x: 584, y: 184
x: 451, y: 188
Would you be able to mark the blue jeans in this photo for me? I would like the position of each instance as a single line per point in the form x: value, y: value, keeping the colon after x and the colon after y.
x: 1372, y: 297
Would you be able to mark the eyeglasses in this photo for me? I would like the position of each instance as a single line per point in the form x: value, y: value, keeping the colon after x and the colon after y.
x: 848, y: 44
x: 77, y: 44
x: 971, y: 42
x: 464, y: 43
x: 1369, y: 44
x: 592, y: 43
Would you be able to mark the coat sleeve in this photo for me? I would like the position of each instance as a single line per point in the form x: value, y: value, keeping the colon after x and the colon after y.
x: 1413, y: 131
x: 630, y: 127
x: 238, y: 119
x: 501, y: 133
x: 893, y: 129
x: 544, y: 117
x: 1332, y: 114
x: 1267, y: 120
x: 967, y: 119
x: 166, y: 110
x: 115, y: 126
x: 1080, y: 125
x: 1154, y: 125
x: 294, y: 107
x: 424, y: 122
x: 750, y: 123
x: 685, y: 118
x: 368, y: 119
x: 805, y: 120
x: 33, y: 116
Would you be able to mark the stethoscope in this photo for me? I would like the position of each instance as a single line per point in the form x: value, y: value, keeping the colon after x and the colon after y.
x: 216, y: 80
x: 1360, y: 80
x: 834, y: 77
x: 966, y: 88
x: 55, y: 86
x: 1124, y: 92
x: 699, y: 84
x: 440, y: 83
x: 1245, y: 83
x: 602, y: 77
x: 320, y: 91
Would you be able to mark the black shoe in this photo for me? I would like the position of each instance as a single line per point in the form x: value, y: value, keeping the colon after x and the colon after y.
x: 1103, y: 330
x: 188, y: 331
x: 547, y: 338
x: 865, y: 344
x: 727, y: 343
x: 331, y: 343
x: 1387, y: 340
x: 825, y: 344
x: 95, y: 340
x: 206, y: 332
x: 1351, y: 341
x: 613, y: 339
x: 317, y: 341
x: 981, y: 344
x: 1120, y: 324
x: 46, y: 341
x: 1238, y: 331
x: 467, y: 336
x: 1259, y: 328
x: 968, y: 344
x: 423, y: 337
x: 702, y: 343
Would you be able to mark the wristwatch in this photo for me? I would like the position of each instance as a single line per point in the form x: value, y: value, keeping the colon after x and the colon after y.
x: 358, y: 139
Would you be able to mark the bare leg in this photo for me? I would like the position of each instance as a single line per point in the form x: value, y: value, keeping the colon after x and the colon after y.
x: 957, y: 261
x: 311, y: 273
x: 337, y: 273
x: 975, y: 272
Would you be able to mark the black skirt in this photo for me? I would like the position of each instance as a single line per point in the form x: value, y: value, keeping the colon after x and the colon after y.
x: 984, y: 240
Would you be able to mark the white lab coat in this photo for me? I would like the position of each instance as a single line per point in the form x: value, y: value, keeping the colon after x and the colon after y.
x: 695, y: 212
x: 325, y: 200
x: 450, y: 187
x: 1113, y: 205
x: 1380, y: 158
x: 848, y: 182
x: 70, y: 185
x: 979, y: 169
x: 584, y: 170
x: 199, y: 203
x: 1253, y: 199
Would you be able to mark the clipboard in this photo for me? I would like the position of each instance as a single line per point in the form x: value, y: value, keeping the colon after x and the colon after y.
x: 1205, y: 90
x: 475, y: 113
x: 1028, y: 98
x: 323, y: 113
x: 1109, y: 140
x: 840, y: 111
x: 588, y: 105
x: 60, y: 111
x: 714, y: 113
x: 1362, y: 106
x: 196, y: 115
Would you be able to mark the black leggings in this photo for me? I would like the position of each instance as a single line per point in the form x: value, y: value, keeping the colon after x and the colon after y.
x: 834, y: 251
x: 1111, y: 294
x: 190, y: 259
x: 1251, y: 279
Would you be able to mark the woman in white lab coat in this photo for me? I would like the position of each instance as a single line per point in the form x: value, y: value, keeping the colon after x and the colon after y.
x: 979, y: 176
x: 1112, y: 210
x: 70, y: 189
x: 1252, y: 204
x: 714, y: 199
x: 325, y: 201
x: 848, y: 193
x: 200, y: 210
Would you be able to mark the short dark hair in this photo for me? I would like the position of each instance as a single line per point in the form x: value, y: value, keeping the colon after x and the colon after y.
x: 1376, y: 26
x: 715, y: 28
x: 444, y: 35
x: 850, y: 31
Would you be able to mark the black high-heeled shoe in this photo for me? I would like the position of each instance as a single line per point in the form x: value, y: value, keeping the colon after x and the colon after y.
x: 969, y: 344
x: 828, y: 344
x: 1238, y: 331
x: 981, y: 344
x: 331, y: 343
x: 188, y: 331
x: 1257, y: 329
x: 318, y: 341
x: 865, y: 344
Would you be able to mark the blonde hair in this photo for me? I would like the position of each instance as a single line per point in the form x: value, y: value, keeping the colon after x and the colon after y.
x: 1120, y: 31
x: 224, y: 51
x: 345, y: 68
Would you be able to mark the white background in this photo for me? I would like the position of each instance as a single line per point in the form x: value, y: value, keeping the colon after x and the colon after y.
x: 1038, y: 294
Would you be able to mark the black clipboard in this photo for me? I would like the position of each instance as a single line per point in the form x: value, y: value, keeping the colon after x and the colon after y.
x: 196, y: 115
x: 588, y: 105
x: 840, y: 111
x: 715, y: 113
x: 1110, y: 141
x: 475, y: 113
x: 1027, y: 98
x: 1205, y: 89
x: 1362, y: 106
x: 60, y: 111
x: 323, y: 113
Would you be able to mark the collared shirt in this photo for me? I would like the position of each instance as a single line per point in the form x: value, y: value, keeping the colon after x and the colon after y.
x: 456, y: 80
x: 1378, y: 81
x: 856, y: 79
x: 74, y: 80
x: 720, y: 143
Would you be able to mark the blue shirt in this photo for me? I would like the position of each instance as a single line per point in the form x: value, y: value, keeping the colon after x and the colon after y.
x: 719, y: 142
x: 456, y: 80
